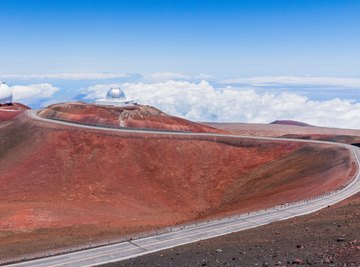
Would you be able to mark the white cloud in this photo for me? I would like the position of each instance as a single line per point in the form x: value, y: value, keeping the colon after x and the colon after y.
x: 99, y: 90
x: 153, y: 77
x: 203, y: 76
x: 345, y: 82
x: 202, y: 102
x: 168, y: 76
x: 33, y: 91
x: 67, y: 76
x: 165, y: 76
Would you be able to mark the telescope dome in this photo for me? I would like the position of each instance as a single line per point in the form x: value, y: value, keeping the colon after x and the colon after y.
x: 116, y: 93
x: 115, y: 97
x: 6, y: 95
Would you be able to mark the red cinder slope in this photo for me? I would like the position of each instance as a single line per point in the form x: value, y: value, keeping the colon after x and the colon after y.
x: 63, y: 186
x: 137, y: 116
x: 290, y: 131
x: 10, y: 112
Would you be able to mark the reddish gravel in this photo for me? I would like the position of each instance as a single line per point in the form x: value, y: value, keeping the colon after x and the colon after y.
x: 277, y: 130
x: 347, y: 139
x: 137, y: 116
x: 8, y: 113
x: 63, y: 187
x: 330, y: 237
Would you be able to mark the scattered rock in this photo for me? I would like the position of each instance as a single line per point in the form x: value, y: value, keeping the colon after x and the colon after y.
x: 297, y: 261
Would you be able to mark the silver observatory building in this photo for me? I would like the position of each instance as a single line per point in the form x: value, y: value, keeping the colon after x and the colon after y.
x: 115, y: 97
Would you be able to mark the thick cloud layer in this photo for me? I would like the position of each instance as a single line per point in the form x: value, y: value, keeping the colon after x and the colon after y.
x: 202, y: 102
x: 33, y: 92
x: 343, y: 82
x: 184, y: 96
x: 66, y: 76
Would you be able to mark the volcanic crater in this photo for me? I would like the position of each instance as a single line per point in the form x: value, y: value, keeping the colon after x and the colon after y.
x: 64, y: 186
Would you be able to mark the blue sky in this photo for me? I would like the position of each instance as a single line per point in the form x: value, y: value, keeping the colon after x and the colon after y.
x: 221, y: 37
x: 267, y: 60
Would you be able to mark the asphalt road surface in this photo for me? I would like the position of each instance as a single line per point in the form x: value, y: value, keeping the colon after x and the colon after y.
x: 193, y: 233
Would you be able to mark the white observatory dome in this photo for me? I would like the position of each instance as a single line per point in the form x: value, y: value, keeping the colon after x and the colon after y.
x: 6, y: 95
x: 115, y: 93
x: 115, y: 97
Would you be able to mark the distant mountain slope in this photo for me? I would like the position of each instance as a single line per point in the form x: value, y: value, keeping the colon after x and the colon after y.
x: 348, y: 136
x: 290, y: 122
x: 137, y: 116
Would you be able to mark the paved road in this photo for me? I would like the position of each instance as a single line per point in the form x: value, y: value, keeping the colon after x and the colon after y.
x: 33, y: 114
x: 8, y: 110
x: 193, y: 233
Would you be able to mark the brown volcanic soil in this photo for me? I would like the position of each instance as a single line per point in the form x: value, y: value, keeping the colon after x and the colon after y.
x: 290, y: 122
x: 291, y: 131
x: 8, y: 113
x: 62, y: 186
x: 277, y: 130
x: 330, y: 237
x: 347, y: 139
x: 137, y: 116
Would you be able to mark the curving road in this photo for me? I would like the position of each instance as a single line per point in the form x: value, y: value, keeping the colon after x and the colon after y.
x: 192, y: 233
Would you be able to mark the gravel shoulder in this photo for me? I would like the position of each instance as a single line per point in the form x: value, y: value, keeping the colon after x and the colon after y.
x: 330, y: 237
